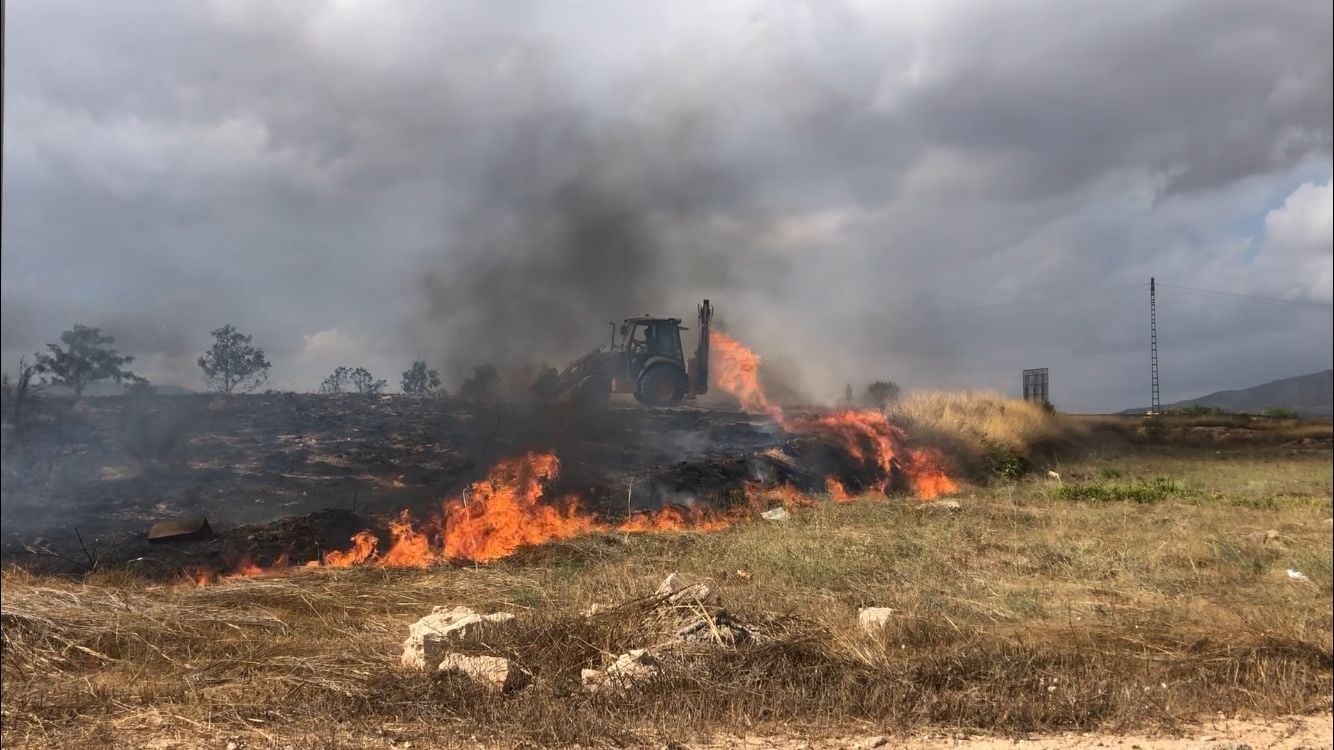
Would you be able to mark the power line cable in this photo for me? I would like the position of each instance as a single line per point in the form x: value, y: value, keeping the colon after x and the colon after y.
x: 1254, y: 297
x: 1056, y: 298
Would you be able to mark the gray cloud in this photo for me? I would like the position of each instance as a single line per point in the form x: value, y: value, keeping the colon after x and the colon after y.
x: 462, y: 183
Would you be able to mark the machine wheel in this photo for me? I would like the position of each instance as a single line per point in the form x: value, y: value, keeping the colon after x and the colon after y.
x: 661, y: 385
x: 592, y: 392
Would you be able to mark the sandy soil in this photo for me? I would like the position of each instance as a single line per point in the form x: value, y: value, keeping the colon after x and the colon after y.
x: 1287, y: 733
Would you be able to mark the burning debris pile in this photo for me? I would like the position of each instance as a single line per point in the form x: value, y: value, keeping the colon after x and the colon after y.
x: 864, y: 435
x: 843, y: 453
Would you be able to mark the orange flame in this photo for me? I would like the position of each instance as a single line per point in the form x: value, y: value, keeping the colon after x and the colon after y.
x: 836, y: 491
x: 928, y: 478
x: 737, y: 371
x: 865, y: 434
x: 675, y: 518
x: 363, y: 546
x: 411, y: 548
x: 245, y: 569
x: 505, y: 511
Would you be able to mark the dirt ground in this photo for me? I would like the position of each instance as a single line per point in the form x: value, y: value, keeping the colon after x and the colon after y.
x: 1286, y: 733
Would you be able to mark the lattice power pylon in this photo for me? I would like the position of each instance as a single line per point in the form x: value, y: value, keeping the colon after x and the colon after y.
x: 1155, y: 401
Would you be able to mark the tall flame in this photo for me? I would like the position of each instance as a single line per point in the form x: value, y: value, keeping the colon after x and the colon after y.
x: 865, y: 434
x: 505, y: 511
x: 737, y: 370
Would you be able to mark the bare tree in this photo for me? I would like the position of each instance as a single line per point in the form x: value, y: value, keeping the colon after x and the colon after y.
x: 17, y: 395
x: 233, y: 364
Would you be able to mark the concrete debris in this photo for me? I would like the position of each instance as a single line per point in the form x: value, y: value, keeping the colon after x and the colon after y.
x: 720, y: 628
x: 496, y: 674
x: 939, y: 506
x: 677, y: 592
x: 874, y: 619
x: 630, y: 670
x: 669, y: 584
x: 429, y: 638
x: 777, y: 514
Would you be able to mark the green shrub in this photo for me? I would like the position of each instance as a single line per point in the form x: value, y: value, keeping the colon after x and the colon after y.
x: 1009, y: 465
x: 1155, y: 490
x: 1111, y: 472
x: 1196, y: 410
x: 1279, y: 412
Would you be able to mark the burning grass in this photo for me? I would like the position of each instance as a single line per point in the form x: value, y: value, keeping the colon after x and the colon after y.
x: 1020, y: 613
x: 977, y: 427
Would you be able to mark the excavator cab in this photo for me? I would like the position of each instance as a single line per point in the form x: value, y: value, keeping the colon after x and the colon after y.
x: 653, y: 366
x: 648, y: 362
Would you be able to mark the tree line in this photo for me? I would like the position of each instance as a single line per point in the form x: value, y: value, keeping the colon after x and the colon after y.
x: 233, y: 364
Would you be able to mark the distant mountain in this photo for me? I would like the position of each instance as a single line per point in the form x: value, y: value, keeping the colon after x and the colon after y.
x: 1310, y: 395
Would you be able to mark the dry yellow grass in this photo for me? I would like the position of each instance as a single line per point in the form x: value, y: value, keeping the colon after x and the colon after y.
x: 974, y: 425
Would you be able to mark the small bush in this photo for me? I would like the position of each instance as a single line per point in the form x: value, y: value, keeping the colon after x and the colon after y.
x: 1009, y: 465
x: 1111, y: 472
x: 1279, y: 412
x: 1156, y: 490
x: 1254, y: 503
x: 1195, y: 410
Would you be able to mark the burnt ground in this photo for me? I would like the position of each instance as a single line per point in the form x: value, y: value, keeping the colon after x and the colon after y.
x: 302, y: 472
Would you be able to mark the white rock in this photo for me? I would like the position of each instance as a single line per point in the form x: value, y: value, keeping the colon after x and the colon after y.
x: 777, y: 514
x: 494, y: 673
x: 677, y: 592
x: 1297, y: 575
x: 669, y: 584
x: 429, y: 638
x: 630, y: 670
x: 717, y: 628
x: 938, y: 506
x: 591, y: 679
x: 874, y: 619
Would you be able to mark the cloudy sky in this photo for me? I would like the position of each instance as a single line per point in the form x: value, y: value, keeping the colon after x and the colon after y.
x: 940, y: 193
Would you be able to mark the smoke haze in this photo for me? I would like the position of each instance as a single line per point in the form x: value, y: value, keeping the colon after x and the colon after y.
x: 864, y: 191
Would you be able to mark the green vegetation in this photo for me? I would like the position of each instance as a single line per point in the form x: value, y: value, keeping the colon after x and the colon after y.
x: 1156, y: 490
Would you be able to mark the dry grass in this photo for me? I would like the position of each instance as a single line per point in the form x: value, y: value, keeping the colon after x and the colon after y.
x: 1023, y: 612
x: 976, y: 427
x: 981, y: 429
